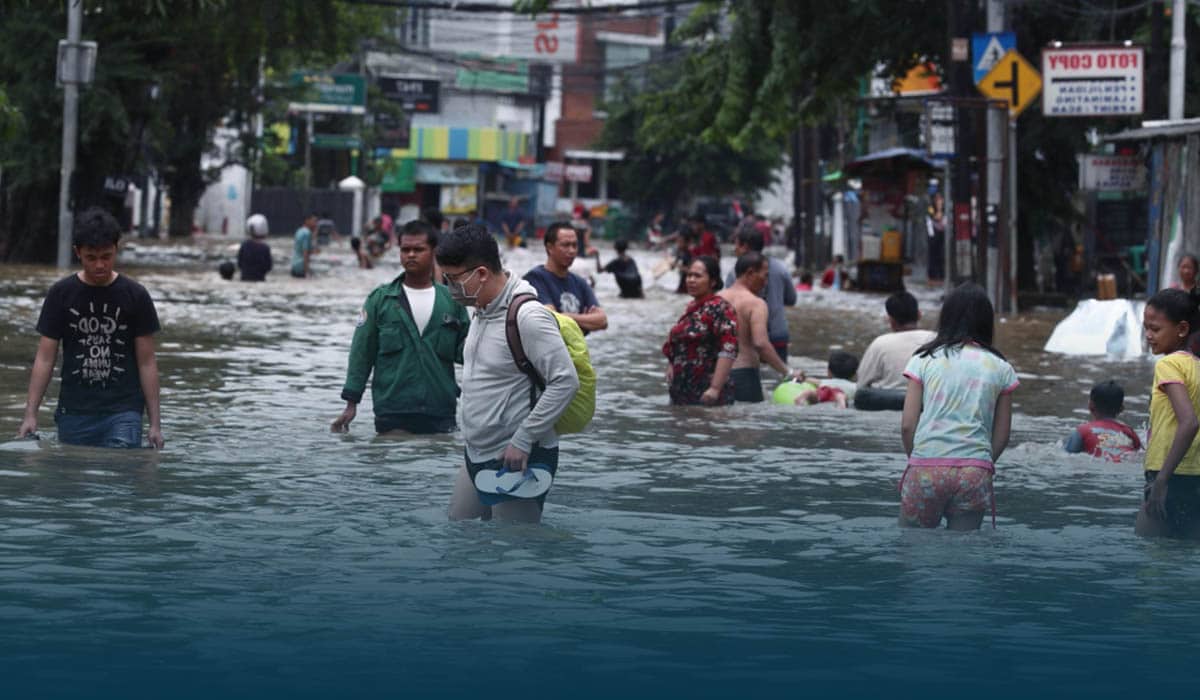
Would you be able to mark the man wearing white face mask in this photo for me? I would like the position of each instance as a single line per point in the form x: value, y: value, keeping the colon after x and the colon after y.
x: 500, y: 426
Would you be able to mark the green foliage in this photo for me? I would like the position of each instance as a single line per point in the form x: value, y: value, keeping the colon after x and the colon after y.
x: 167, y: 74
x: 10, y: 118
x: 659, y: 173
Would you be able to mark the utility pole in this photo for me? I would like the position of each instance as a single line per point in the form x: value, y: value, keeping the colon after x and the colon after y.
x: 69, y: 75
x: 996, y: 124
x: 1178, y: 54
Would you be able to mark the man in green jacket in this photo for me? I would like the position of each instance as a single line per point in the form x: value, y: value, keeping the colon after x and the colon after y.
x: 411, y: 333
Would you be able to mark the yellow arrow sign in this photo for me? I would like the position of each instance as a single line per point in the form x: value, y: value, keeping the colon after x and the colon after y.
x: 1014, y: 81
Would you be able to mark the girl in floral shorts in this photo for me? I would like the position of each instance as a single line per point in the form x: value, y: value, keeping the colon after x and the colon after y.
x: 957, y: 417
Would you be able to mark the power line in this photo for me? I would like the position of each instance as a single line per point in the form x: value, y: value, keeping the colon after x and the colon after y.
x: 483, y: 8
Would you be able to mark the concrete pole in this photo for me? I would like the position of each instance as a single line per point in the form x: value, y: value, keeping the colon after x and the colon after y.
x: 70, y: 131
x: 308, y: 139
x: 1178, y: 53
x: 948, y: 222
x: 996, y: 124
x: 1012, y: 216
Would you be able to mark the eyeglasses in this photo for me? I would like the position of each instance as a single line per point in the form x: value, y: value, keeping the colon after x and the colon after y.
x: 457, y: 277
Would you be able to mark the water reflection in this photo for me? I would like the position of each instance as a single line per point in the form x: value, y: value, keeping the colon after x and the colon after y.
x: 709, y: 550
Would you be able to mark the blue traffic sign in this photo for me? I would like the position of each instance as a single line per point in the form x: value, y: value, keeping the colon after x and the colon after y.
x: 987, y: 50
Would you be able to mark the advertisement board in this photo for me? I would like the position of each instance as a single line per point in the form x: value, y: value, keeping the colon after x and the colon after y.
x: 413, y: 94
x: 1112, y: 173
x: 1093, y: 81
x: 547, y: 38
x: 344, y: 93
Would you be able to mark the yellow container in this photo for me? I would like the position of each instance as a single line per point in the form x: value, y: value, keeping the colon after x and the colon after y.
x: 890, y: 249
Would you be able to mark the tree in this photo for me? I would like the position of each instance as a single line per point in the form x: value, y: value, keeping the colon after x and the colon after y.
x: 659, y: 173
x: 167, y: 75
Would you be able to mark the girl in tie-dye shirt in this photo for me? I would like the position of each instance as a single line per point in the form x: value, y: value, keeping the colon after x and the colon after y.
x: 957, y: 417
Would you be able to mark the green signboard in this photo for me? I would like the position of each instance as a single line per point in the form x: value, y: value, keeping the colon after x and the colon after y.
x: 336, y: 141
x: 498, y: 75
x: 341, y: 92
x: 400, y: 176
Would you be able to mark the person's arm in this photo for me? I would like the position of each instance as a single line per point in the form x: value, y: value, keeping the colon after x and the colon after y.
x: 269, y: 260
x: 593, y: 319
x: 870, y: 369
x: 363, y: 350
x: 720, y: 376
x: 762, y: 341
x: 546, y: 351
x: 147, y: 367
x: 1185, y: 431
x: 39, y: 379
x: 789, y: 289
x: 308, y: 250
x: 913, y: 403
x: 1001, y: 425
x: 724, y: 325
x: 1074, y: 444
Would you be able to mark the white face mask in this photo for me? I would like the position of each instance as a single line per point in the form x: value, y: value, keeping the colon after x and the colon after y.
x: 458, y: 290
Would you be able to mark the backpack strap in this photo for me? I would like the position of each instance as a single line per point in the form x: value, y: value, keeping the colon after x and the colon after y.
x: 512, y: 333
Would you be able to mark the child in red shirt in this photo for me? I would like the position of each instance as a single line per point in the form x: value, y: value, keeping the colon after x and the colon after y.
x: 1104, y: 436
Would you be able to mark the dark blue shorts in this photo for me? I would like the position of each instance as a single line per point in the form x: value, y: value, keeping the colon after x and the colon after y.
x: 1183, y: 504
x: 544, y: 456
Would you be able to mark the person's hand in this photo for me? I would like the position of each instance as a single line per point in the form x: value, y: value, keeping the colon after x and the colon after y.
x: 514, y: 458
x: 154, y: 436
x: 1156, y: 503
x: 798, y: 375
x: 28, y: 427
x: 342, y: 423
x: 710, y: 396
x: 670, y: 374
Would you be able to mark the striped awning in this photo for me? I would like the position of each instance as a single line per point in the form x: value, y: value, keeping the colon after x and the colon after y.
x: 460, y: 143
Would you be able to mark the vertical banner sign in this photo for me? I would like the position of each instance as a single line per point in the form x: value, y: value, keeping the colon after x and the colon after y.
x: 940, y: 128
x: 1093, y: 81
x: 962, y: 239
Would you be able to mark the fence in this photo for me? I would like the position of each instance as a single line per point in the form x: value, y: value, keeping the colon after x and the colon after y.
x: 286, y: 207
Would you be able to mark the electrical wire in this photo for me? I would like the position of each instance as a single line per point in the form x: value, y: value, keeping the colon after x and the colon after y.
x: 484, y: 8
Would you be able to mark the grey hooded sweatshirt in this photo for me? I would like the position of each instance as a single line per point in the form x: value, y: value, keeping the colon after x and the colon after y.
x: 495, y: 398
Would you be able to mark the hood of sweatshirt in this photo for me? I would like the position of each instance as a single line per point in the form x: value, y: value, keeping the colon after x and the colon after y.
x: 499, y: 306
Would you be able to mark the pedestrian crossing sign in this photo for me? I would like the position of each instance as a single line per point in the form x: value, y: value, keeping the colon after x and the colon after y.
x: 1014, y: 81
x: 987, y: 50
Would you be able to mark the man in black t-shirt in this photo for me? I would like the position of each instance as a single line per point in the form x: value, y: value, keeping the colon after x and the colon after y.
x: 106, y: 324
x: 624, y: 268
x: 254, y: 256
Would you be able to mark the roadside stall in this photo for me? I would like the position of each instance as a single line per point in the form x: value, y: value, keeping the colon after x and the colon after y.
x: 892, y: 213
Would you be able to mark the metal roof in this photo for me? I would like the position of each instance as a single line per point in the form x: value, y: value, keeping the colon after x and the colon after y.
x: 1157, y: 130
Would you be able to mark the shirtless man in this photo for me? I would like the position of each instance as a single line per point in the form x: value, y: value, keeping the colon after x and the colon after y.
x: 754, y: 345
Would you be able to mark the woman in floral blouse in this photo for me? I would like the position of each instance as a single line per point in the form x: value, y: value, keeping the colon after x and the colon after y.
x: 703, y: 342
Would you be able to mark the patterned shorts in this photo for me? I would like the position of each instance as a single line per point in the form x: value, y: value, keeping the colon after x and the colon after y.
x: 927, y: 494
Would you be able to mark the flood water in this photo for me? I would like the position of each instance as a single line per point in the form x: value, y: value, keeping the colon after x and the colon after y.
x: 750, y: 550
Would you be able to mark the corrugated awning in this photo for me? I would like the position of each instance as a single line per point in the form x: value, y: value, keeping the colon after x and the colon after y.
x: 892, y: 158
x: 1157, y: 130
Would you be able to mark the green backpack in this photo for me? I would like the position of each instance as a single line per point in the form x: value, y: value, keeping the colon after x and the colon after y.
x: 581, y: 409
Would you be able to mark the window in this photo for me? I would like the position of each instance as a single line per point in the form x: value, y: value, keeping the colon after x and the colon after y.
x: 623, y: 62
